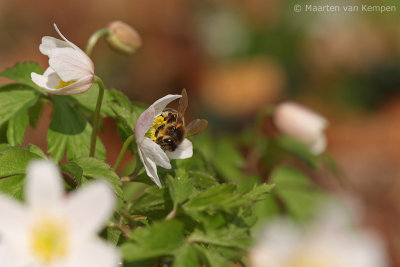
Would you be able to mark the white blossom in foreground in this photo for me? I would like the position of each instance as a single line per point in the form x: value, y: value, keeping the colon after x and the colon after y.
x: 302, y: 124
x: 150, y: 153
x: 331, y: 242
x: 53, y: 230
x: 70, y: 70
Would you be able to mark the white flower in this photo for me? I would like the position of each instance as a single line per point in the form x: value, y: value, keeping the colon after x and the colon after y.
x: 331, y: 242
x: 302, y: 124
x: 53, y: 230
x: 71, y: 71
x: 150, y: 153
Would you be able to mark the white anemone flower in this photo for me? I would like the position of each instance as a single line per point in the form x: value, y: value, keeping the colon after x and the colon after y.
x: 302, y: 124
x: 53, y: 230
x: 330, y: 242
x: 70, y: 70
x: 150, y: 153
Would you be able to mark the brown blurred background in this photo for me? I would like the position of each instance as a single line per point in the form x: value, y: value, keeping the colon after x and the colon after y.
x: 235, y: 57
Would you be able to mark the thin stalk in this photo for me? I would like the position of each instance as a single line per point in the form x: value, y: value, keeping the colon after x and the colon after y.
x: 94, y: 38
x: 96, y: 118
x: 127, y: 142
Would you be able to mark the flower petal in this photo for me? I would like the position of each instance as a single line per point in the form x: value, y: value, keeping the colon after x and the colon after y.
x: 68, y: 64
x: 143, y: 124
x: 161, y: 103
x: 43, y: 189
x: 151, y: 168
x: 319, y: 145
x: 13, y: 219
x: 89, y: 208
x: 183, y: 151
x: 154, y: 152
x: 49, y: 43
x: 95, y: 253
x: 85, y: 58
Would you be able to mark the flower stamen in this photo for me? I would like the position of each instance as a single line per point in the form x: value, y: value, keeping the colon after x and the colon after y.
x: 64, y: 84
x: 151, y: 133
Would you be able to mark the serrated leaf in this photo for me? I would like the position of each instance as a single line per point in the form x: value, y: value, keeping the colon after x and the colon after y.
x: 98, y: 169
x: 13, y: 101
x: 13, y: 186
x: 155, y: 202
x: 14, y: 161
x: 70, y: 132
x: 160, y: 239
x: 211, y: 258
x: 180, y: 187
x: 186, y: 256
x: 212, y: 199
x: 17, y: 127
x: 21, y: 72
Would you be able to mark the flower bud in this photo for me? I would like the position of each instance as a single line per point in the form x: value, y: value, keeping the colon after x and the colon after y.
x: 301, y: 124
x: 123, y: 38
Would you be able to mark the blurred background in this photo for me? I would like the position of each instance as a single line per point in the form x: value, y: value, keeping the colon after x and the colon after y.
x: 237, y: 57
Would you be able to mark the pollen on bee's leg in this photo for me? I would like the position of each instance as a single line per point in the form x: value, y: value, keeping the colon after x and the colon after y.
x: 64, y: 84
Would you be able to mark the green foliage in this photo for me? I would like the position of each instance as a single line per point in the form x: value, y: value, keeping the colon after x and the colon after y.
x: 21, y: 73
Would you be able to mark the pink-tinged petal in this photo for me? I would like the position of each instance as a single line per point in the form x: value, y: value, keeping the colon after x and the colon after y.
x: 161, y: 103
x: 44, y: 189
x: 89, y: 208
x: 183, y: 151
x: 85, y: 58
x: 151, y: 168
x: 94, y: 253
x: 143, y: 124
x: 68, y: 64
x: 78, y: 87
x: 49, y: 43
x: 154, y: 152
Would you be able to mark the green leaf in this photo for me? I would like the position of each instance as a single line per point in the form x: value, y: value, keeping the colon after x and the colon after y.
x: 13, y: 186
x: 75, y: 170
x: 113, y: 235
x: 186, y: 256
x: 88, y: 100
x: 17, y: 127
x: 70, y: 132
x: 14, y: 161
x: 212, y: 199
x: 98, y: 169
x: 21, y: 72
x: 300, y: 196
x: 160, y: 239
x: 298, y: 149
x: 13, y: 101
x: 155, y: 202
x: 180, y: 187
x: 211, y: 258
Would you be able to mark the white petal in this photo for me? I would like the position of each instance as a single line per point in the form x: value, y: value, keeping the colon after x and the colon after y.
x: 13, y: 219
x: 95, y: 254
x: 161, y: 103
x: 143, y: 124
x: 154, y: 152
x: 49, y: 43
x: 319, y: 145
x: 68, y: 64
x: 49, y: 80
x: 89, y: 208
x: 44, y: 188
x: 151, y: 168
x: 183, y: 151
x: 84, y: 57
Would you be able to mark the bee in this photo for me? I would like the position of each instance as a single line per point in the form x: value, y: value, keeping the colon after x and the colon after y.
x: 171, y: 129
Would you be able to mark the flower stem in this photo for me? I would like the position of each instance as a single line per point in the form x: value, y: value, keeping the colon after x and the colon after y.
x: 94, y: 38
x: 127, y: 142
x: 96, y: 116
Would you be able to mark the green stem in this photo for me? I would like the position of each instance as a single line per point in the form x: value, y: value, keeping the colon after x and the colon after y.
x: 127, y: 142
x: 96, y: 116
x: 94, y: 38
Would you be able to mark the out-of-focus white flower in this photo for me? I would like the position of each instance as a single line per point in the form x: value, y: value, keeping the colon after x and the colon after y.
x: 123, y: 38
x: 150, y: 153
x: 330, y: 242
x: 71, y: 71
x: 302, y: 124
x: 53, y: 230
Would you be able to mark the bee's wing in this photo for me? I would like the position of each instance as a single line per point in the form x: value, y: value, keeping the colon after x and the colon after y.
x: 196, y: 127
x: 183, y: 103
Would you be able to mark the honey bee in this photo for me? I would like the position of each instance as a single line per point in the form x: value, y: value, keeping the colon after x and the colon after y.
x: 170, y: 128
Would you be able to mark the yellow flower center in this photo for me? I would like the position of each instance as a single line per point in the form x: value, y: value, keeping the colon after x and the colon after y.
x: 49, y: 240
x: 151, y: 133
x: 64, y: 84
x: 307, y: 260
